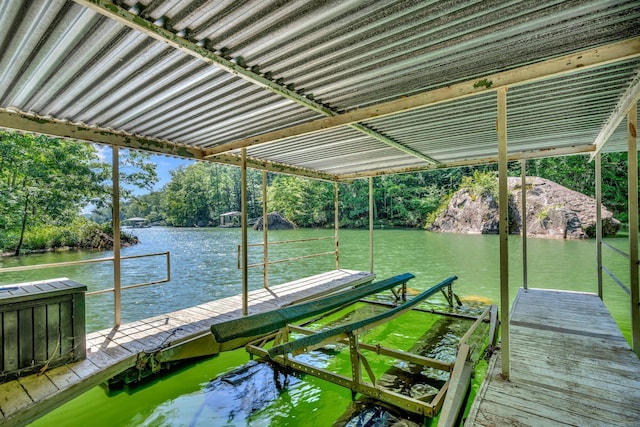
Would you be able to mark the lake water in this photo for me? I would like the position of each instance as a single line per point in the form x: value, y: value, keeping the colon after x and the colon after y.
x: 204, y: 267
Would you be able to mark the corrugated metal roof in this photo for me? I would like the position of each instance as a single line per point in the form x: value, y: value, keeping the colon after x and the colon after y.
x: 271, y: 64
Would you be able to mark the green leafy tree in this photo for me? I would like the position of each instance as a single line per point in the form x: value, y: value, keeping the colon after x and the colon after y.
x: 47, y: 181
x: 199, y: 193
x: 306, y: 202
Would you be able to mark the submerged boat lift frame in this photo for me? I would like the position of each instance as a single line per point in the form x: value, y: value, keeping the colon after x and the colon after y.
x: 453, y: 389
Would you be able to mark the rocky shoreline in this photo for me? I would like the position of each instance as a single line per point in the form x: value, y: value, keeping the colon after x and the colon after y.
x: 553, y: 211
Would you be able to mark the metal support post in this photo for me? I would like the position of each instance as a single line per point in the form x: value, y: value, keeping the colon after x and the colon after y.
x: 371, y: 224
x: 115, y: 225
x: 265, y: 233
x: 336, y: 222
x: 354, y: 352
x: 245, y: 256
x: 523, y: 183
x: 632, y: 164
x: 599, y: 224
x: 503, y: 229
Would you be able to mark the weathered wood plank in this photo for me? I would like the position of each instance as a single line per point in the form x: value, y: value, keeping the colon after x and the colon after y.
x: 13, y: 398
x: 458, y: 385
x: 551, y: 337
x: 25, y: 337
x: 569, y: 365
x: 85, y: 368
x: 38, y: 386
x: 588, y: 383
x: 53, y: 331
x: 599, y: 363
x: 40, y: 333
x: 78, y: 326
x: 10, y: 347
x: 66, y: 327
x: 62, y: 377
x: 565, y: 407
x: 113, y: 350
x: 503, y: 416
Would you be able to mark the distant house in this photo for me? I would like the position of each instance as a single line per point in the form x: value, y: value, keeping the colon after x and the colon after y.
x: 230, y: 219
x: 137, y: 222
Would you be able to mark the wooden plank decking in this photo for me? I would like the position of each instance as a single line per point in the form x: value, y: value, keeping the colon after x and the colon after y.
x: 570, y: 365
x: 112, y: 351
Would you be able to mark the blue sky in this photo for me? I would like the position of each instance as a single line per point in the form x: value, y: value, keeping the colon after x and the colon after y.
x: 164, y: 166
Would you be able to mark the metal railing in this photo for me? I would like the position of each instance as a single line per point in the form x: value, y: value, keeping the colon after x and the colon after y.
x: 283, y: 260
x: 610, y: 274
x: 99, y: 260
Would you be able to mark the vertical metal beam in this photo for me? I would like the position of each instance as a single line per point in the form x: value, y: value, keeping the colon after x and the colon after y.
x: 245, y: 256
x: 523, y: 183
x: 265, y: 233
x: 115, y: 225
x: 354, y: 353
x: 599, y: 223
x: 632, y: 162
x: 503, y: 229
x: 371, y: 224
x: 336, y: 223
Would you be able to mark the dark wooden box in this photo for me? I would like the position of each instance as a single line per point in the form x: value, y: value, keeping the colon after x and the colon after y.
x: 42, y: 325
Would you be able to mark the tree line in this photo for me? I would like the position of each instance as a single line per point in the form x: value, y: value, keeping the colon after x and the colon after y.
x: 199, y: 193
x: 45, y: 183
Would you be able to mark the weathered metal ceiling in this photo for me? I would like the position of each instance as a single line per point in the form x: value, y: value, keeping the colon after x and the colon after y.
x: 329, y: 89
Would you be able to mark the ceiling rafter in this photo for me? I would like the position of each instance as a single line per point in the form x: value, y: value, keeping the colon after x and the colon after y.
x: 626, y: 49
x: 627, y: 100
x: 57, y: 128
x: 269, y: 166
x: 47, y: 126
x: 199, y: 50
x: 523, y: 155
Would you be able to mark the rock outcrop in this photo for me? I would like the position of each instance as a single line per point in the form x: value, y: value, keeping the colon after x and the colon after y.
x: 552, y: 211
x: 275, y: 222
x: 474, y: 214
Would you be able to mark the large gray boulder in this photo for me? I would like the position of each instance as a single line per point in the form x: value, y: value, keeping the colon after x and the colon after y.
x: 552, y: 211
x: 474, y: 214
x: 275, y: 222
x: 556, y: 211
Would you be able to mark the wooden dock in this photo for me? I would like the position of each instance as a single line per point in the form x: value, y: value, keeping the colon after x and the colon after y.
x: 570, y: 365
x: 112, y: 351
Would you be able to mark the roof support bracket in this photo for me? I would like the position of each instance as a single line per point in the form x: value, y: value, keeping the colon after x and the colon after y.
x: 627, y: 100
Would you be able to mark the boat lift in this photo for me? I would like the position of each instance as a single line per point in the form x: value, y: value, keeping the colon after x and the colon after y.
x: 275, y: 328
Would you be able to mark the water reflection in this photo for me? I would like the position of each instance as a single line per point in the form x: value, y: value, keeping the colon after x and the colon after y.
x: 204, y: 267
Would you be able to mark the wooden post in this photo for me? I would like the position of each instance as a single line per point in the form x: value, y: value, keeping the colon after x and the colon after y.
x: 115, y: 225
x: 336, y: 222
x: 523, y: 183
x: 371, y: 224
x: 599, y: 223
x: 632, y: 164
x: 265, y: 234
x: 503, y: 229
x: 245, y: 256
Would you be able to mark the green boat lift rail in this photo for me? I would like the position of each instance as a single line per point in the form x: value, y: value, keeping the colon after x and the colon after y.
x: 320, y: 339
x: 236, y: 333
x: 283, y: 352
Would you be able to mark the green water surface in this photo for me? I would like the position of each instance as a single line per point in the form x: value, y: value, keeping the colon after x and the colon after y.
x: 204, y: 267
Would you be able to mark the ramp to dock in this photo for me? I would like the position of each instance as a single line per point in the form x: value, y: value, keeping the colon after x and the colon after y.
x: 570, y: 365
x: 111, y: 351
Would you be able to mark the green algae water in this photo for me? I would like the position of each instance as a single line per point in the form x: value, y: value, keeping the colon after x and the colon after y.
x: 204, y: 267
